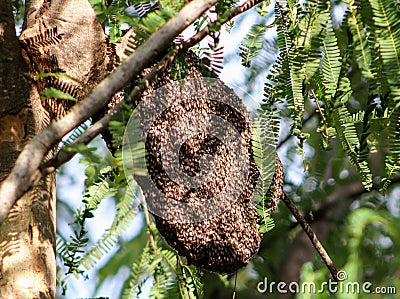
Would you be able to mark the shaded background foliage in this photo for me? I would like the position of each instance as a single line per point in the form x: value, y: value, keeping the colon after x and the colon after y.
x: 332, y: 79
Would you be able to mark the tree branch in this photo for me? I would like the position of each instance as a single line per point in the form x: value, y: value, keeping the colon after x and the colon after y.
x: 331, y: 213
x: 312, y: 236
x: 350, y: 192
x: 64, y: 156
x: 24, y: 173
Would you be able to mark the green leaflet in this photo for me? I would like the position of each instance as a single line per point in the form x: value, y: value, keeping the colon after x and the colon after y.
x: 392, y: 161
x: 264, y: 142
x: 125, y: 213
x: 312, y: 36
x: 348, y: 136
x: 301, y: 40
x: 252, y: 43
x: 331, y: 64
x: 71, y: 251
x: 52, y: 92
x: 170, y: 278
x: 387, y: 22
x: 360, y: 38
x: 141, y: 270
x: 316, y: 63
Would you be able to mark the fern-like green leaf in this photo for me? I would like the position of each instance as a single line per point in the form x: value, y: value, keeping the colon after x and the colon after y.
x: 304, y: 56
x: 360, y: 37
x: 252, y: 43
x: 311, y: 34
x: 126, y: 212
x: 331, y: 64
x: 170, y: 278
x: 386, y: 19
x: 347, y: 133
x: 264, y: 142
x: 102, y: 188
x: 52, y: 92
x: 185, y: 282
x: 392, y: 161
x: 141, y: 270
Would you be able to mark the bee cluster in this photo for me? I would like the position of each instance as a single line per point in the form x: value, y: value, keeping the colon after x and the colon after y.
x: 200, y: 179
x: 222, y: 233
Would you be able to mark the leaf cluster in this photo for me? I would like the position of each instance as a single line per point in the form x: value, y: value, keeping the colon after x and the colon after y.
x: 324, y: 64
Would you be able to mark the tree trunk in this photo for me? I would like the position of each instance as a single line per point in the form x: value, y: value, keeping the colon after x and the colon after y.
x: 59, y: 36
x: 27, y: 236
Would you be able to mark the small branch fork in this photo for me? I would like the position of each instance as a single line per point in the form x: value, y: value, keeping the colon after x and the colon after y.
x: 312, y: 236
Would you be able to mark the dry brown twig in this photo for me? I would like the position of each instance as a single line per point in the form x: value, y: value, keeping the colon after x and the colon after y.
x: 312, y: 236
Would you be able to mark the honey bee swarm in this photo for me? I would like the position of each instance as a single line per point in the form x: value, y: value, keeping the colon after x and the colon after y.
x: 228, y: 235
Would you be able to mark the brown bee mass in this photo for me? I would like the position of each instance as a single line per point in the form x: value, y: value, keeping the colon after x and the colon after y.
x: 222, y: 233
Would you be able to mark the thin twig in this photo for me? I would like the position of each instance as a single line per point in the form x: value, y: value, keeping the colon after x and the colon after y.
x: 312, y: 236
x: 287, y: 138
x: 318, y: 106
x: 234, y: 287
x: 148, y: 222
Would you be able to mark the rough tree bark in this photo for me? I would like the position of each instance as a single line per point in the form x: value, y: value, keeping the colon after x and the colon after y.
x: 27, y: 237
x: 58, y: 36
